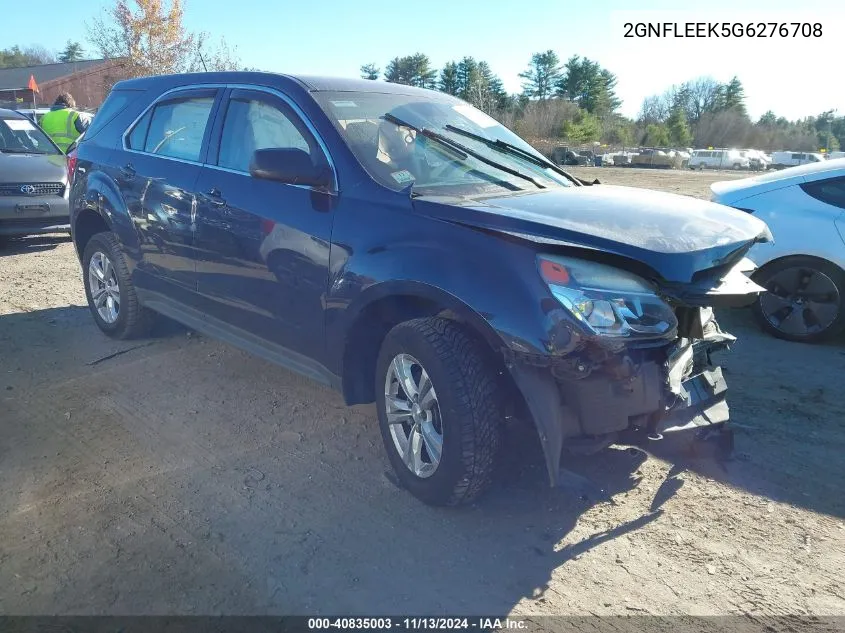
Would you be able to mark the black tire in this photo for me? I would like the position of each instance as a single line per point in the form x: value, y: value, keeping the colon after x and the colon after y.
x: 133, y: 320
x: 471, y: 412
x: 765, y: 276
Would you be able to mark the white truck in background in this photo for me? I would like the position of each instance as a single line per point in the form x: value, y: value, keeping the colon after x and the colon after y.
x: 782, y: 160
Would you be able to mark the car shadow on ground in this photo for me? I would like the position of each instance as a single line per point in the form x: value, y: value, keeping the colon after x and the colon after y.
x: 31, y: 244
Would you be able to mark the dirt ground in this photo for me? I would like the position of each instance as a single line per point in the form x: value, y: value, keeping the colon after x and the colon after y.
x: 181, y: 476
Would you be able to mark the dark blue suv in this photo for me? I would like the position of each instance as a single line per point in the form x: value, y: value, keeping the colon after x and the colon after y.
x: 405, y: 248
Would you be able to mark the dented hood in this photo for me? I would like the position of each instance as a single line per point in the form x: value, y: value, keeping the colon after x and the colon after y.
x: 676, y: 236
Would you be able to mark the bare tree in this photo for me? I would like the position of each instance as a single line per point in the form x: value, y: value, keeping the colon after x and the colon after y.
x: 705, y: 94
x: 655, y: 109
x: 39, y: 54
x: 151, y: 39
x: 544, y: 119
x: 218, y: 58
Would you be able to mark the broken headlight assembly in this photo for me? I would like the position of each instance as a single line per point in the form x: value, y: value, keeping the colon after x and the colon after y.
x: 607, y: 301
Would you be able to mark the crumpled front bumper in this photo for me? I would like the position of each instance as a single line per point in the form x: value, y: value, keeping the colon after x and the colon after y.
x: 585, y: 404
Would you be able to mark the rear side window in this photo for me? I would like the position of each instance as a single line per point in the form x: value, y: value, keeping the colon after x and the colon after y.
x: 114, y: 104
x: 831, y: 191
x: 138, y: 137
x: 173, y: 128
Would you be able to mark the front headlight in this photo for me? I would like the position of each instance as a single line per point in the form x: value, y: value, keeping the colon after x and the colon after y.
x: 607, y: 300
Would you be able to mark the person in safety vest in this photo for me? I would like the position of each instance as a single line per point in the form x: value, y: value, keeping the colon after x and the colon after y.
x: 63, y: 123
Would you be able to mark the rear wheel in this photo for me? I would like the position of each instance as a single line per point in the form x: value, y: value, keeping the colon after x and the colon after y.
x: 804, y: 301
x: 439, y: 410
x: 110, y: 292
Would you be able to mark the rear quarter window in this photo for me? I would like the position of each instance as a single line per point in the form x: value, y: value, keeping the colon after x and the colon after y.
x: 830, y: 191
x: 114, y: 104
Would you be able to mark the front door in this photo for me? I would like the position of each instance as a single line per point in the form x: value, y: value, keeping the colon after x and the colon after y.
x: 157, y: 172
x: 262, y: 247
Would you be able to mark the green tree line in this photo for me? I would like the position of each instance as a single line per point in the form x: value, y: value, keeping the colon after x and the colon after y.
x: 18, y: 57
x: 576, y: 101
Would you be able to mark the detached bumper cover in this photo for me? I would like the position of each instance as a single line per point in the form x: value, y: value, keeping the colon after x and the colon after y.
x: 701, y: 402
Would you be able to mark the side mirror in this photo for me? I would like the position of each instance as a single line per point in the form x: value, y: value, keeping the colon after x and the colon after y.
x: 290, y: 166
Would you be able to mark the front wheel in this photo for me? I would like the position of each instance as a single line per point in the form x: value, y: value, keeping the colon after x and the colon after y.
x: 805, y: 299
x: 439, y: 410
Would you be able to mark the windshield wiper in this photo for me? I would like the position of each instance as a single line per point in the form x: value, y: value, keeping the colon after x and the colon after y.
x: 508, y: 148
x: 455, y: 146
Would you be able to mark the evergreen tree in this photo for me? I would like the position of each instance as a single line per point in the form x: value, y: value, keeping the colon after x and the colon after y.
x: 449, y: 79
x: 411, y: 70
x: 72, y: 53
x: 678, y: 128
x: 370, y: 71
x: 542, y: 75
x: 734, y: 96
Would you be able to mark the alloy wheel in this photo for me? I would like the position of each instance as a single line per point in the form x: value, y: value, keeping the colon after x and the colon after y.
x: 413, y: 415
x: 800, y: 301
x: 105, y: 290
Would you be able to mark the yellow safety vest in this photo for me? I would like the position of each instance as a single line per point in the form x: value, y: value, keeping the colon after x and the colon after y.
x: 60, y: 125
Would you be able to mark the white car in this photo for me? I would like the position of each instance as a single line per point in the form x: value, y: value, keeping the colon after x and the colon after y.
x: 803, y: 269
x: 718, y: 159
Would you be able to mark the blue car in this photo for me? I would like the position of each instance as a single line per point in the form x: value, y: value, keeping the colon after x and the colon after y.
x: 406, y: 249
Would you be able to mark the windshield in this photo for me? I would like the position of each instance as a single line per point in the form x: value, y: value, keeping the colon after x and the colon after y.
x: 21, y: 136
x: 442, y: 158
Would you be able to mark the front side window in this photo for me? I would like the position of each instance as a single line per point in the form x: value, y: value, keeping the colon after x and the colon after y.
x: 253, y: 124
x: 175, y: 128
x: 21, y: 136
x: 397, y: 157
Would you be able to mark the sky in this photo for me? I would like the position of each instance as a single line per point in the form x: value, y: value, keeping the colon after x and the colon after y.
x: 794, y: 77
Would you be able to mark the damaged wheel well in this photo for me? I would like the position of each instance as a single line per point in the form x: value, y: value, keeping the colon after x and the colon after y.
x: 367, y: 333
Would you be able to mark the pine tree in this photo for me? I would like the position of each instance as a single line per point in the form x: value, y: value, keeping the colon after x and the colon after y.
x: 449, y: 79
x: 734, y: 96
x: 542, y: 75
x: 678, y: 128
x: 370, y: 71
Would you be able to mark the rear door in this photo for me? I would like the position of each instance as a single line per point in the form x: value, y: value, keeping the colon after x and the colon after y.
x: 262, y: 247
x: 157, y: 171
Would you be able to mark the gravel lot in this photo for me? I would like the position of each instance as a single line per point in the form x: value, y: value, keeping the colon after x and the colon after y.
x: 182, y: 476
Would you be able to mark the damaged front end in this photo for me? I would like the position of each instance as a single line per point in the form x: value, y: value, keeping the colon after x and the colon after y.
x: 640, y: 370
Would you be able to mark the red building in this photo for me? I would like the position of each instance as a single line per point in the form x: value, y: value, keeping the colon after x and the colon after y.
x: 89, y: 81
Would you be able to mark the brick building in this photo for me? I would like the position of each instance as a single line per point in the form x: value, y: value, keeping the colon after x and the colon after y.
x: 87, y: 80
